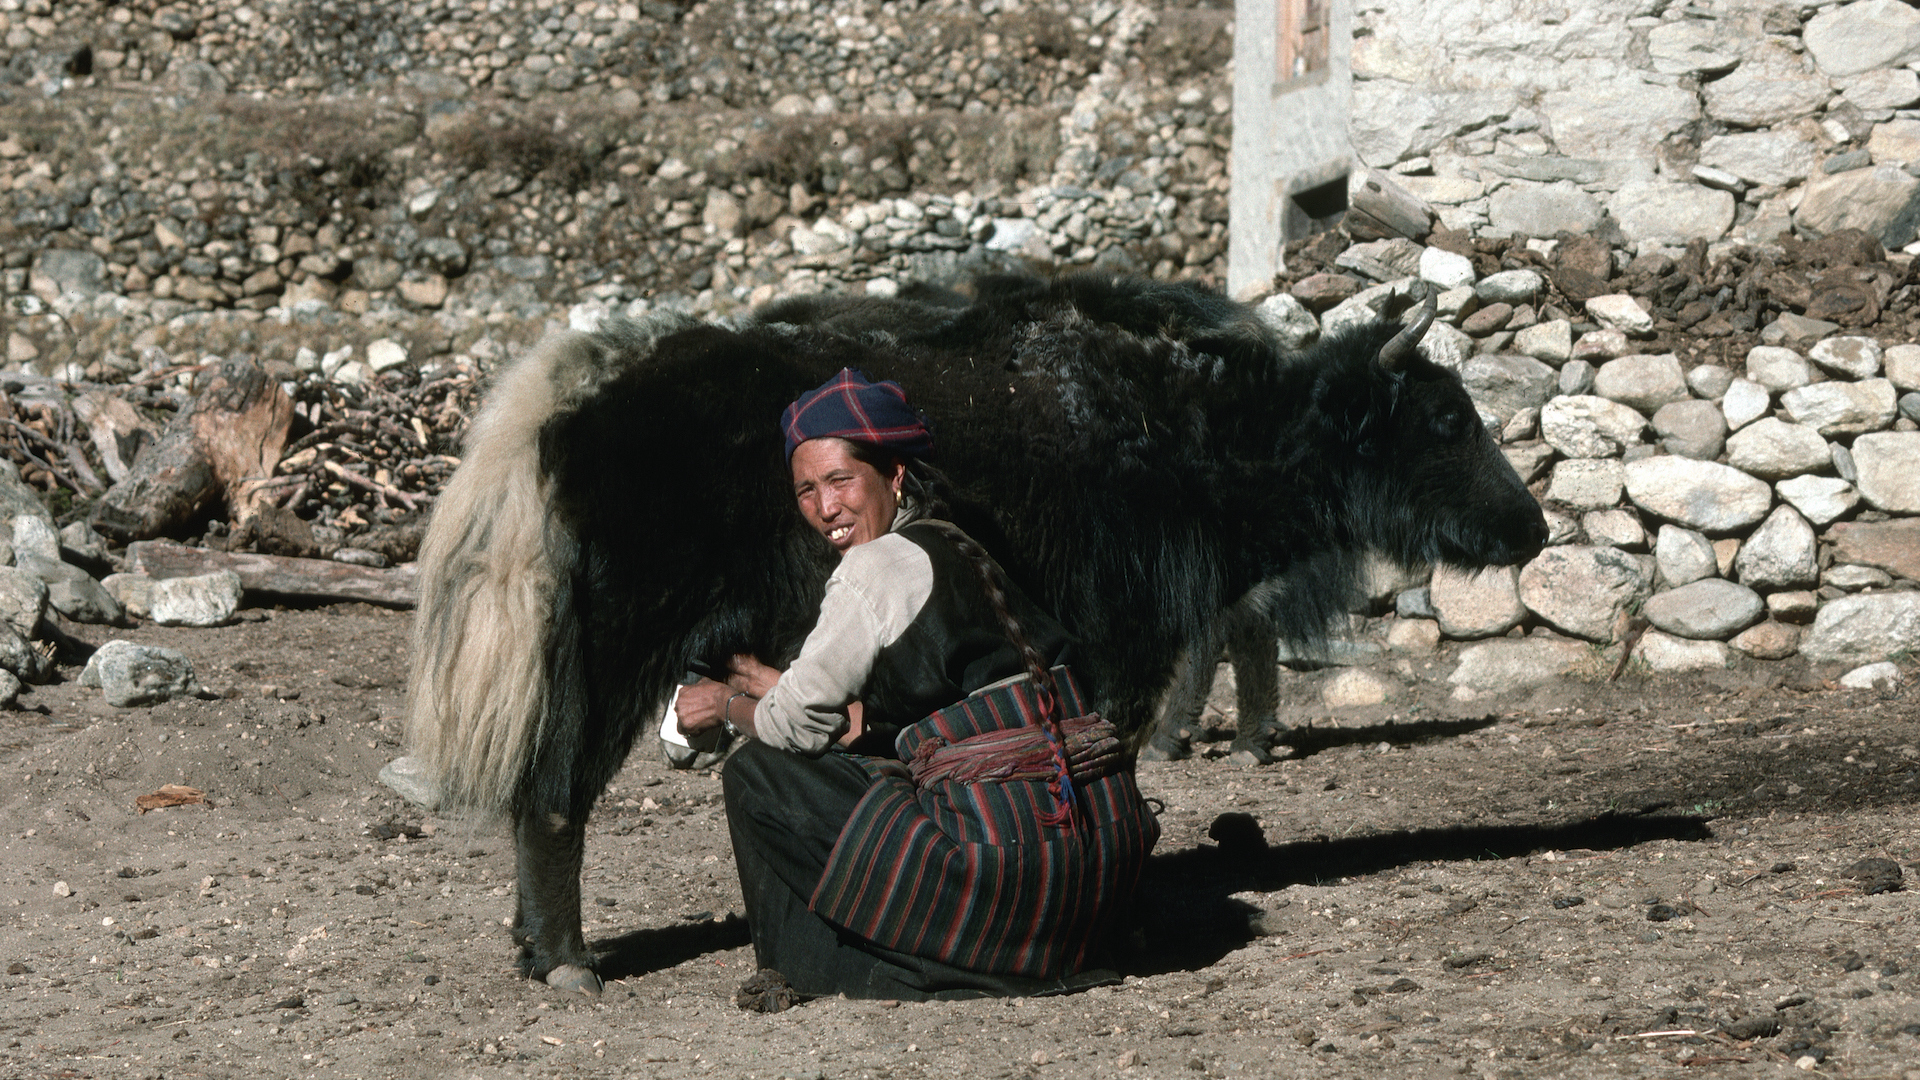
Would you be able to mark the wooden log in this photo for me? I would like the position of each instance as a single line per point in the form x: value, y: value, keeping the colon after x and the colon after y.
x: 280, y: 575
x: 235, y: 429
x: 1379, y: 208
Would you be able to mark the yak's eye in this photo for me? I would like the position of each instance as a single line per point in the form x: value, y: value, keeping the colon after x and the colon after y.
x: 1449, y: 424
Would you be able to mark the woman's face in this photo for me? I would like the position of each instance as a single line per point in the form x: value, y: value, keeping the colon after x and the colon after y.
x: 846, y: 499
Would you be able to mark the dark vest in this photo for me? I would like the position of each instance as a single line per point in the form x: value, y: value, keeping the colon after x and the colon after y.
x: 955, y: 645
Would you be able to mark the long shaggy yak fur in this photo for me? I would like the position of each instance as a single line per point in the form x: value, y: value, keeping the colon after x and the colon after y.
x: 1137, y: 455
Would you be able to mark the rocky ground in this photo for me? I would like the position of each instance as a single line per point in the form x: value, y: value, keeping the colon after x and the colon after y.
x: 1658, y: 876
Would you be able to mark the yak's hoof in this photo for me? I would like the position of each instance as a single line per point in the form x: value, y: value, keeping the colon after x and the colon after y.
x: 575, y: 979
x: 1163, y: 748
x: 1245, y: 753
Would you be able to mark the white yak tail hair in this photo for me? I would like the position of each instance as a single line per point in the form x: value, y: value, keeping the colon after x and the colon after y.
x: 494, y: 558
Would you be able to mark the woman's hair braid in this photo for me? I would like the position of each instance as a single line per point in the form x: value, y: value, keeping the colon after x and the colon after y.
x: 994, y: 581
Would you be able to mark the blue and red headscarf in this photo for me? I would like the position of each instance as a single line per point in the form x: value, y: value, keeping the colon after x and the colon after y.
x: 852, y: 407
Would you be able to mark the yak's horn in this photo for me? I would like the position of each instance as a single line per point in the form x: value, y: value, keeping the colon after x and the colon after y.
x: 1400, y: 349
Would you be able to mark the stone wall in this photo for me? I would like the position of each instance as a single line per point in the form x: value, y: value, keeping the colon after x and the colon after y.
x: 1647, y: 121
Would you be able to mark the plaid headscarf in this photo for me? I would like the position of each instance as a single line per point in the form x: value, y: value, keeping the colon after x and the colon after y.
x: 850, y: 406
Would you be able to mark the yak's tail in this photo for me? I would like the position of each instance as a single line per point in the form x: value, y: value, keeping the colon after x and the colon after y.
x: 494, y: 558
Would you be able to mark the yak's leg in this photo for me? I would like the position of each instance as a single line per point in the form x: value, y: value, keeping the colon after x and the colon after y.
x: 1180, y: 715
x: 548, y: 850
x: 1251, y: 648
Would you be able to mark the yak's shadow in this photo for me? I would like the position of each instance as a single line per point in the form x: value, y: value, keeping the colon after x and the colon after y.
x: 639, y: 952
x: 1188, y: 920
x: 1308, y: 740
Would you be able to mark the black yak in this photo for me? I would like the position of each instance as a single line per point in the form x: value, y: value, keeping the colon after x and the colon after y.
x: 1137, y: 455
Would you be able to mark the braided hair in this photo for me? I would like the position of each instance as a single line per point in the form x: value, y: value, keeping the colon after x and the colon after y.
x: 993, y: 581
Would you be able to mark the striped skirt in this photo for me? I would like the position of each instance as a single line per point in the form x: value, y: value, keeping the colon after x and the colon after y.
x: 967, y: 872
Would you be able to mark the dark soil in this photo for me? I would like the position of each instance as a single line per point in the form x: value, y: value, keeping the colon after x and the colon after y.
x: 1649, y: 877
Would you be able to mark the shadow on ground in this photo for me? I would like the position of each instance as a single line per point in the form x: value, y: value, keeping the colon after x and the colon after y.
x: 1188, y: 919
x: 642, y: 951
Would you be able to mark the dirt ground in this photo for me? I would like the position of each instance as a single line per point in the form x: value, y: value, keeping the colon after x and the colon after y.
x: 1642, y: 878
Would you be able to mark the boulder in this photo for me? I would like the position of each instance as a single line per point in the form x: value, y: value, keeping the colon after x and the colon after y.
x: 1864, y: 629
x: 1583, y: 590
x: 1701, y: 495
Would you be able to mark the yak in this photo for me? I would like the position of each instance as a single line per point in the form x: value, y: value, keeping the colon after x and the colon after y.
x: 1138, y: 456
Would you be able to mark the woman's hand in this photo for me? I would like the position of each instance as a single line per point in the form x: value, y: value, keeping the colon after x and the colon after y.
x: 751, y: 676
x: 702, y: 705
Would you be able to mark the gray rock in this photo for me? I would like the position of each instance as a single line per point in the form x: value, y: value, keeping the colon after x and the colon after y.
x: 443, y: 255
x: 1355, y: 688
x: 1771, y: 86
x: 1852, y: 356
x: 1549, y: 342
x: 1780, y: 554
x: 1884, y: 676
x: 1864, y: 629
x: 1843, y: 463
x: 61, y: 272
x: 79, y: 540
x: 1709, y: 382
x: 1504, y: 384
x: 1896, y: 142
x: 1855, y: 578
x: 1529, y: 460
x: 1842, y: 408
x: 1773, y: 449
x: 71, y: 592
x: 1576, y: 378
x: 133, y: 591
x: 1852, y: 38
x: 1820, y: 499
x: 1615, y: 528
x: 1583, y: 590
x: 1671, y: 213
x: 1476, y: 605
x: 1393, y: 120
x: 1666, y: 653
x: 1910, y: 406
x: 1694, y: 47
x: 1794, y: 605
x: 1778, y: 369
x: 1382, y: 260
x: 1683, y: 555
x: 377, y: 273
x: 409, y: 778
x: 23, y: 599
x: 1707, y: 608
x: 1542, y: 210
x: 199, y: 600
x: 1620, y: 312
x: 1883, y: 201
x: 1499, y: 666
x: 1692, y: 429
x: 19, y: 656
x: 1701, y: 495
x: 1773, y: 158
x: 1587, y: 483
x: 1446, y: 346
x: 10, y: 687
x: 1415, y: 604
x: 1599, y: 345
x: 1643, y: 381
x: 1795, y: 331
x: 33, y: 535
x: 1561, y: 528
x: 17, y: 498
x: 1290, y: 319
x: 1589, y: 427
x: 1617, y: 115
x: 1445, y: 269
x: 1903, y: 366
x: 1744, y: 402
x: 131, y: 674
x: 1887, y: 467
x: 1510, y: 287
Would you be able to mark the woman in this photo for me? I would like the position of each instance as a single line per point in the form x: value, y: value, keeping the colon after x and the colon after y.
x: 983, y: 851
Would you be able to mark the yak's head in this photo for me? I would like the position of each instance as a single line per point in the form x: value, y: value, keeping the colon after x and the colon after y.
x: 1418, y: 474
